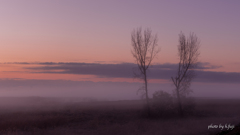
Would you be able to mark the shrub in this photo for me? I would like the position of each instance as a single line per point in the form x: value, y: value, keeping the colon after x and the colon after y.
x: 162, y: 104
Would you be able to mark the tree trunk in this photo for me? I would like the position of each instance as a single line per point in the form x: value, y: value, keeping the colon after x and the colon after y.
x: 148, y: 107
x: 180, y: 111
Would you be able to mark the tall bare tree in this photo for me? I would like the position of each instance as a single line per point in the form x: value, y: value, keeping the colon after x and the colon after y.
x: 188, y: 52
x: 144, y: 50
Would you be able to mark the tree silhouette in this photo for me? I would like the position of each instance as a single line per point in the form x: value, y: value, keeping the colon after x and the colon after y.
x: 188, y: 52
x: 144, y: 50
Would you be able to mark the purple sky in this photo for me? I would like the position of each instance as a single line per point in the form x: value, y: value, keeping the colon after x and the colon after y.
x: 98, y: 32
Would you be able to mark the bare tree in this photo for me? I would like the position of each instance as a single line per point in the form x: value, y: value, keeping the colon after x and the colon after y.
x: 144, y: 50
x: 188, y: 51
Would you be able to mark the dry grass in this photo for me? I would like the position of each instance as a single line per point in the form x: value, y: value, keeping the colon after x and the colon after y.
x: 113, y: 117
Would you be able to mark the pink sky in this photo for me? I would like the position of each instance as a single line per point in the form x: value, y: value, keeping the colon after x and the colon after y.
x: 99, y: 32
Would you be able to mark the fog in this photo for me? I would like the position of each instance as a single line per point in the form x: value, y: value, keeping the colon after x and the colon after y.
x: 70, y: 107
x: 106, y: 90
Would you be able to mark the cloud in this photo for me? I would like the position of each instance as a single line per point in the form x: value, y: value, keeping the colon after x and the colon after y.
x: 218, y: 77
x: 207, y: 65
x: 125, y: 70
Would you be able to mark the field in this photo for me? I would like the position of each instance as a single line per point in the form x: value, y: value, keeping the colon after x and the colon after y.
x: 66, y: 116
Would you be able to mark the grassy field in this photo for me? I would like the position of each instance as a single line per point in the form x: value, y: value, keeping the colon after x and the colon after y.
x: 38, y: 116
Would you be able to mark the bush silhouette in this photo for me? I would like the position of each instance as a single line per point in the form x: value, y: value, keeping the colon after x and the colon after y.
x: 162, y: 104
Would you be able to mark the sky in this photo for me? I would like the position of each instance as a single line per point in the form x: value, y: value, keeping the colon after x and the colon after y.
x: 83, y: 48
